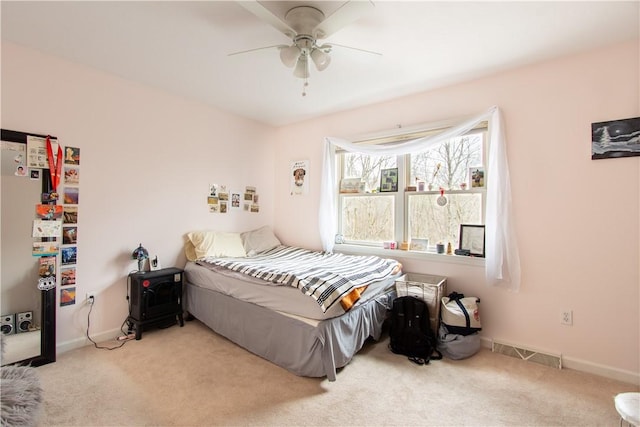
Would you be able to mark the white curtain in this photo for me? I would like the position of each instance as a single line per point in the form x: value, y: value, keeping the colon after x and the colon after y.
x: 502, y: 263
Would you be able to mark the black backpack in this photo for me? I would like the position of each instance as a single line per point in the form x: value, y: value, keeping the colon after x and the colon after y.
x: 410, y: 333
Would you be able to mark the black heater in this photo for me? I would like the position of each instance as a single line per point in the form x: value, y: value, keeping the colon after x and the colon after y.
x: 155, y: 299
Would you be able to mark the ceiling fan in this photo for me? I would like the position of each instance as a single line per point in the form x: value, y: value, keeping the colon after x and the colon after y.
x: 305, y: 25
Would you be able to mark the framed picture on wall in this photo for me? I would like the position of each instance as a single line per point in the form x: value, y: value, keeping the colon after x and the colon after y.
x: 616, y: 138
x: 389, y: 180
x: 472, y: 239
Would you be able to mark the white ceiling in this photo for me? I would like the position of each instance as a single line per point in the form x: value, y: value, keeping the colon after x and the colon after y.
x: 182, y: 47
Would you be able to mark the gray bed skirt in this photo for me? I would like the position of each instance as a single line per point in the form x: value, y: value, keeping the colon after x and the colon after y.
x: 311, y: 349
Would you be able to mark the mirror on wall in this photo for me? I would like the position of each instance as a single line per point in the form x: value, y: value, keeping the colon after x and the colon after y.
x: 28, y: 314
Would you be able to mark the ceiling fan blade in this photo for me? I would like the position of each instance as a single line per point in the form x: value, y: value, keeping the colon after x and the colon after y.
x: 347, y: 13
x: 257, y: 48
x: 267, y: 16
x: 330, y: 45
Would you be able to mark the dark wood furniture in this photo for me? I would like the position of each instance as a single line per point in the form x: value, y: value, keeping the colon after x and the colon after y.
x: 155, y: 299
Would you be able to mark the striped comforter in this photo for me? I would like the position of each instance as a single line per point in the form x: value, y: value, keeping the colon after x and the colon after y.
x: 327, y: 278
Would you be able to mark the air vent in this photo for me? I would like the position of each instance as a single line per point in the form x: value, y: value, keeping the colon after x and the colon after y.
x: 536, y: 356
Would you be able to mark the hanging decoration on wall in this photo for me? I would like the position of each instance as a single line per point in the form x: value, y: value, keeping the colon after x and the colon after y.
x: 47, y: 283
x: 19, y: 159
x: 47, y: 228
x: 69, y: 255
x: 223, y: 199
x: 47, y: 273
x: 69, y: 235
x: 616, y: 138
x: 441, y: 200
x: 37, y: 151
x: 235, y: 200
x: 251, y: 200
x: 299, y: 177
x: 71, y: 195
x: 68, y: 275
x: 48, y: 212
x: 55, y: 163
x: 70, y: 198
x: 67, y: 296
x: 72, y: 156
x: 212, y: 199
x: 45, y: 249
x: 220, y: 200
x: 70, y: 215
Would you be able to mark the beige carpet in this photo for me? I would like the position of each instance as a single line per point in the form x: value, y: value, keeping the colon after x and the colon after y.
x: 192, y: 377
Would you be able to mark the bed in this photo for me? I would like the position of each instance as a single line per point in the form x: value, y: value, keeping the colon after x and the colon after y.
x: 310, y: 323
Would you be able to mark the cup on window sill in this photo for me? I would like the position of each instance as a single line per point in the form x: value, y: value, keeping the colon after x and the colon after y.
x: 440, y: 248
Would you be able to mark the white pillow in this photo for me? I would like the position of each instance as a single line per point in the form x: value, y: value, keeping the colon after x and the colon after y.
x: 259, y: 240
x: 214, y: 244
x: 190, y: 250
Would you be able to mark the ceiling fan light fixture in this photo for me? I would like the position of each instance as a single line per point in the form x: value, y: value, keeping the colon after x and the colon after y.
x: 302, y: 68
x: 321, y: 59
x: 289, y: 55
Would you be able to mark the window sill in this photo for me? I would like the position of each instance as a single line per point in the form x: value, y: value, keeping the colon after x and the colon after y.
x: 400, y: 254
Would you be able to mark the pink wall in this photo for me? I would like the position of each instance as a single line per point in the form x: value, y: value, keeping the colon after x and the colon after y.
x: 147, y: 159
x: 577, y: 219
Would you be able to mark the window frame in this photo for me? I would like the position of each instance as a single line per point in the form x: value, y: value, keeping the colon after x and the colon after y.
x: 402, y: 197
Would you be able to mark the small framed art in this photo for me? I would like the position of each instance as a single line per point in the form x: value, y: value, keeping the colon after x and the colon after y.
x: 476, y: 176
x: 472, y: 239
x: 154, y: 263
x: 615, y: 138
x: 389, y: 180
x: 421, y: 245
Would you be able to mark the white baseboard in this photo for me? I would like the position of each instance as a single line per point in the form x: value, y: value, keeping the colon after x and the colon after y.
x: 588, y: 367
x: 602, y: 370
x: 63, y: 347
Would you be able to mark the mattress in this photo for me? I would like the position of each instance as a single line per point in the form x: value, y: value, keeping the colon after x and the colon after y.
x: 284, y: 299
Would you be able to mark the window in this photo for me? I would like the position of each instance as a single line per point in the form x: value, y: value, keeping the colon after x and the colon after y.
x: 502, y: 264
x: 370, y: 217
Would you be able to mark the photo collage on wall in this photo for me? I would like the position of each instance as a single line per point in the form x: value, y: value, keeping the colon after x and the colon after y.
x: 221, y: 200
x: 55, y: 227
x: 69, y: 248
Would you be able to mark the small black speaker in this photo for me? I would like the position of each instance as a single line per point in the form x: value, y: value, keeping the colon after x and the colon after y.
x: 24, y: 321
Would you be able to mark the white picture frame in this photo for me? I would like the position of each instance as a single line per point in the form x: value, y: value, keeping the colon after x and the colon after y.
x: 421, y: 245
x: 154, y: 263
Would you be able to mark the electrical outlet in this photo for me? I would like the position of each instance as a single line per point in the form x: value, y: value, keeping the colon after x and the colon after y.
x: 91, y: 297
x: 567, y: 317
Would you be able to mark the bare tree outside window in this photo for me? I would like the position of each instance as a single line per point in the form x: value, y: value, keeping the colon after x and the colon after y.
x: 367, y: 168
x: 370, y: 218
x: 441, y: 224
x: 447, y: 165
